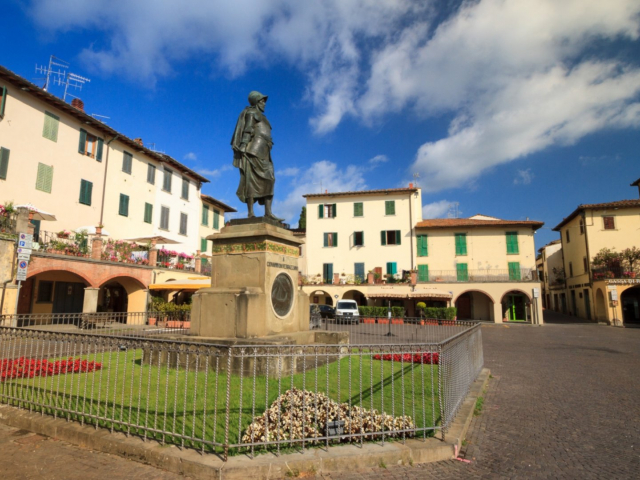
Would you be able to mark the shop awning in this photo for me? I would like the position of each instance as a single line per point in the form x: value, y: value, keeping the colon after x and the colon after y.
x: 396, y: 293
x: 190, y: 284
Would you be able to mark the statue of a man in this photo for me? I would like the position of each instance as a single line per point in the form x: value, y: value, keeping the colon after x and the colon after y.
x: 251, y: 144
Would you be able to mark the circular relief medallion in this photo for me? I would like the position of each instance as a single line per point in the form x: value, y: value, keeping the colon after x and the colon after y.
x: 282, y: 294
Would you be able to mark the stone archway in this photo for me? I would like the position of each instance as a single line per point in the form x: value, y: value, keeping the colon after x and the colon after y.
x: 601, y: 306
x: 322, y: 297
x: 630, y: 305
x: 356, y: 295
x: 121, y: 294
x: 516, y: 306
x: 53, y: 291
x: 474, y: 305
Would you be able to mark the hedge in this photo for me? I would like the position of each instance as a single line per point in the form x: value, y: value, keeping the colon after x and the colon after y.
x: 448, y: 313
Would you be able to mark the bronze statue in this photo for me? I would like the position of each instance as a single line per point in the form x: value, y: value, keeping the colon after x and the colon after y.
x: 251, y: 144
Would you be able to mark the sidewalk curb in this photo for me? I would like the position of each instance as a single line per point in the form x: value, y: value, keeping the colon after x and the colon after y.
x: 317, y: 461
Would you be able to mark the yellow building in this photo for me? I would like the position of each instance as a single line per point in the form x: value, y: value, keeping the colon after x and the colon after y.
x: 551, y: 275
x: 374, y: 247
x: 608, y: 293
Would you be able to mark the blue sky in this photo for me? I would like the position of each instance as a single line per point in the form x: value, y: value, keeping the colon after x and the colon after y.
x: 511, y: 108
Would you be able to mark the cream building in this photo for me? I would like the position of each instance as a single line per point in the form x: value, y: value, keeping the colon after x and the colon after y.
x: 366, y: 245
x: 552, y: 276
x: 609, y: 295
x: 211, y: 219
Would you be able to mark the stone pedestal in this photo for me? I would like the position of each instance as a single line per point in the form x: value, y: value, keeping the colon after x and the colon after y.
x: 254, y: 285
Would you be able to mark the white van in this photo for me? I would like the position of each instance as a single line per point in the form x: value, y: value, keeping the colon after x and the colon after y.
x: 347, y: 312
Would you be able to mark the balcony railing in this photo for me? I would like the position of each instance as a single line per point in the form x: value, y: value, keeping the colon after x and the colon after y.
x: 481, y: 275
x: 175, y: 260
x: 610, y: 273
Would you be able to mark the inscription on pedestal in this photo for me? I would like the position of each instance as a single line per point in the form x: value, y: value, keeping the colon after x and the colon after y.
x: 282, y: 294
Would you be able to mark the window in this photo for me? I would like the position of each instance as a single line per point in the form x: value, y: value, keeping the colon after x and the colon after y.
x: 166, y: 181
x: 216, y: 219
x: 390, y: 237
x: 327, y: 211
x: 185, y: 188
x: 514, y: 271
x: 203, y: 245
x: 422, y: 249
x: 581, y: 227
x: 45, y: 291
x: 4, y: 163
x: 151, y: 174
x: 358, y: 270
x: 567, y: 235
x: 585, y: 265
x: 123, y: 209
x: 390, y: 207
x: 392, y: 268
x: 512, y: 243
x: 183, y: 223
x: 570, y: 269
x: 50, y: 128
x: 85, y: 192
x: 423, y: 273
x: 358, y: 239
x: 90, y: 145
x: 164, y: 218
x: 327, y: 272
x: 462, y: 274
x: 331, y: 239
x: 148, y: 213
x: 461, y: 243
x: 127, y: 160
x: 45, y: 178
x: 358, y: 210
x: 205, y: 215
x: 609, y: 223
x: 3, y: 101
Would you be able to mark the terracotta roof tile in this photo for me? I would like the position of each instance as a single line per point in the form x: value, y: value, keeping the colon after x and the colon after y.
x: 362, y: 192
x: 217, y: 203
x: 591, y: 206
x: 467, y: 222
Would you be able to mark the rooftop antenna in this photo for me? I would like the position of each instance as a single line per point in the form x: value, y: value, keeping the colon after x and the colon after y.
x: 152, y: 147
x: 319, y: 183
x: 72, y: 80
x: 94, y: 115
x: 48, y: 71
x: 453, y: 210
x: 416, y: 177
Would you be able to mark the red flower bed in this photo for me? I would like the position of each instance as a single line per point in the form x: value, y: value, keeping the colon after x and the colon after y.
x: 29, y: 368
x: 428, y: 358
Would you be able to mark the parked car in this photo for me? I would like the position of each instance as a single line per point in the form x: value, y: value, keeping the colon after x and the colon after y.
x: 327, y: 311
x: 347, y: 312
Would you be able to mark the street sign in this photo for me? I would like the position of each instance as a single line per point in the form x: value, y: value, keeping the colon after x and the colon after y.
x: 536, y: 293
x: 22, y: 270
x: 26, y: 251
x: 21, y: 276
x: 25, y: 240
x: 27, y: 237
x: 24, y: 256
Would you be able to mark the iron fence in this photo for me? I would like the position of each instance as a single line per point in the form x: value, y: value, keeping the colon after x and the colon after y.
x: 104, y: 323
x: 479, y: 275
x: 608, y: 273
x: 230, y: 400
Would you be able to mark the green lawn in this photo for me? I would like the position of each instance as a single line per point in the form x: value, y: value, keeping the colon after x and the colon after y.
x: 156, y: 399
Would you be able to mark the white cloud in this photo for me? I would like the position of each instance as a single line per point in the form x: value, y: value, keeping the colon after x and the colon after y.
x: 321, y: 176
x: 515, y: 76
x: 524, y: 177
x: 378, y: 159
x: 190, y: 156
x: 288, y: 172
x: 210, y: 173
x: 437, y: 209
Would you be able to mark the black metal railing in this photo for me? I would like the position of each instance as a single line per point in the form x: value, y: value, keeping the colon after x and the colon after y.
x: 480, y: 275
x: 610, y: 273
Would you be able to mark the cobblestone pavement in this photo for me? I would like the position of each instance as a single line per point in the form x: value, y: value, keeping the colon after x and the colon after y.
x: 564, y: 402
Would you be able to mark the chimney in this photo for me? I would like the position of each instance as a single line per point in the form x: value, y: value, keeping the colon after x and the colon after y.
x: 411, y: 185
x: 326, y: 191
x: 138, y: 141
x: 77, y: 103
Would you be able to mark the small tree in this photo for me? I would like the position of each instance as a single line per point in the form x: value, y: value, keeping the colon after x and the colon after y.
x: 631, y: 257
x: 302, y: 222
x: 607, y: 258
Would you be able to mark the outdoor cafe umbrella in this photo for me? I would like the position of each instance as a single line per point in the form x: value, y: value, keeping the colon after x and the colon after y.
x: 36, y: 214
x: 154, y: 240
x: 90, y: 230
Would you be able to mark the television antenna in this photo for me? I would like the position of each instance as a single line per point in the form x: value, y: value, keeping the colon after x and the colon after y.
x: 94, y: 115
x: 72, y: 80
x: 453, y: 210
x: 58, y: 74
x: 416, y: 177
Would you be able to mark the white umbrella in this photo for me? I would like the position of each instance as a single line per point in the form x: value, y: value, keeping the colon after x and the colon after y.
x: 154, y: 239
x: 37, y: 213
x: 91, y: 231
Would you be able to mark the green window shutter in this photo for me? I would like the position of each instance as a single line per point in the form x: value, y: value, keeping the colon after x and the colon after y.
x: 185, y: 188
x: 462, y: 272
x: 205, y: 215
x: 86, y: 189
x: 82, y: 142
x: 461, y: 243
x: 151, y: 174
x: 398, y: 238
x: 99, y: 152
x: 148, y: 213
x: 357, y: 209
x: 124, y: 205
x: 320, y: 211
x: 423, y: 273
x: 512, y: 243
x: 423, y: 250
x: 44, y: 179
x: 203, y: 245
x: 127, y: 160
x: 514, y: 271
x: 363, y: 238
x: 383, y: 237
x: 3, y: 102
x: 50, y: 128
x: 216, y: 219
x: 326, y: 239
x: 335, y: 239
x: 388, y: 268
x: 392, y: 268
x: 335, y: 210
x: 4, y: 162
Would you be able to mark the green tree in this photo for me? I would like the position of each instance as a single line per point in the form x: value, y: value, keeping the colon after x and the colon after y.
x: 631, y: 257
x: 302, y: 222
x: 607, y: 257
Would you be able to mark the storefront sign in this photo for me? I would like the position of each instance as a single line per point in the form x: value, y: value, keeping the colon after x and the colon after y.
x: 623, y: 281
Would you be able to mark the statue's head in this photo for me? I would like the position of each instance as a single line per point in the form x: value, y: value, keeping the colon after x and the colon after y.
x: 255, y: 97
